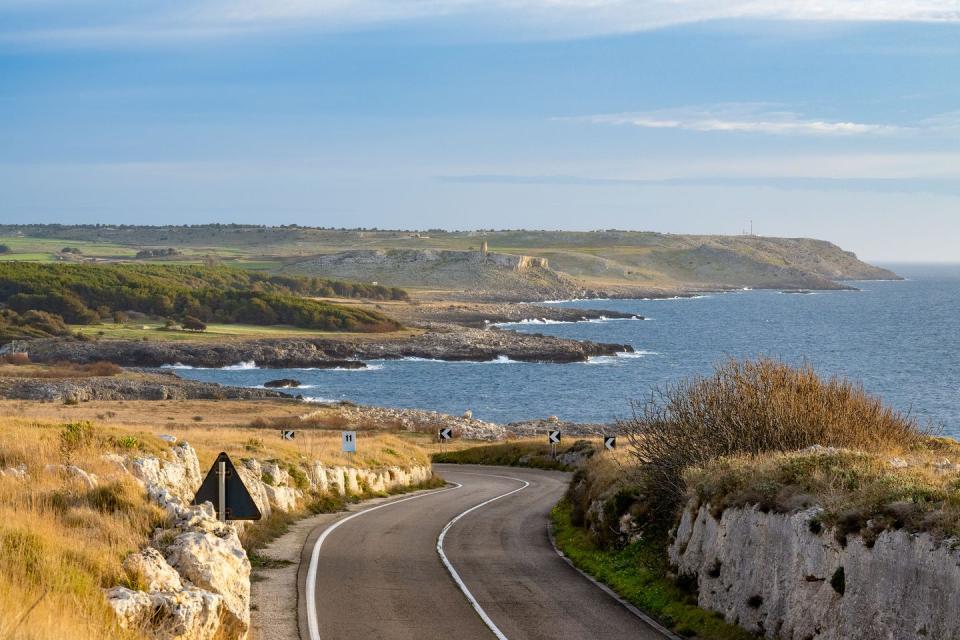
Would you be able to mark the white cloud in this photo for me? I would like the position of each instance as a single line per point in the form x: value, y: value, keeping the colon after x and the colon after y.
x: 112, y: 21
x: 739, y: 118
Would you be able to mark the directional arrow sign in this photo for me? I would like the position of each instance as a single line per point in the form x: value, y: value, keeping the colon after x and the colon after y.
x: 349, y: 441
x: 553, y: 437
x: 446, y: 433
x: 287, y: 434
x: 224, y: 488
x: 610, y: 442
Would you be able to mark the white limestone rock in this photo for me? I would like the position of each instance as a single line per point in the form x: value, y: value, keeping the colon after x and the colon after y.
x: 778, y: 576
x: 193, y: 614
x: 179, y: 477
x: 353, y: 482
x: 279, y: 475
x: 216, y: 562
x: 337, y: 480
x: 19, y: 472
x: 282, y: 498
x: 153, y: 569
x: 318, y: 477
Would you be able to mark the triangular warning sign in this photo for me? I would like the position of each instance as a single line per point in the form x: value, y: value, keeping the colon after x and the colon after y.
x: 239, y: 503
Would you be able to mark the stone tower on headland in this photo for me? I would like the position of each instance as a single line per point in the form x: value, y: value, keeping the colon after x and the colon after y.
x: 484, y: 249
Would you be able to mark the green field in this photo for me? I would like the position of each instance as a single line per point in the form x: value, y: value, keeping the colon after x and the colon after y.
x: 215, y: 332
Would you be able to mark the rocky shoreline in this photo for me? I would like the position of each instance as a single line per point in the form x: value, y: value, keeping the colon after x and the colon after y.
x: 483, y: 314
x: 439, y: 342
x: 143, y: 386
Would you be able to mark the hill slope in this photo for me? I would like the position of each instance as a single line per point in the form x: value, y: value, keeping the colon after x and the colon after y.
x: 450, y: 264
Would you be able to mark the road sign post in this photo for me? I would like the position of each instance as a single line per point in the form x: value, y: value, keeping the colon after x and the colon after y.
x: 348, y: 441
x: 445, y: 434
x: 553, y: 437
x: 223, y: 488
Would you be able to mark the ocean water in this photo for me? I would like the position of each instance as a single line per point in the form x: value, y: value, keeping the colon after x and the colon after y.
x: 900, y: 339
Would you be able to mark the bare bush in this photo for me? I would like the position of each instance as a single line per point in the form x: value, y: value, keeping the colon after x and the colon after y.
x: 753, y: 407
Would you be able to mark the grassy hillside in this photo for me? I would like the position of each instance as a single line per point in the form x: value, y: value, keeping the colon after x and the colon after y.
x: 602, y: 260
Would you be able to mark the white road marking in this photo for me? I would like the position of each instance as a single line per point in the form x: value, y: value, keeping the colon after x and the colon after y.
x: 453, y: 572
x: 315, y: 557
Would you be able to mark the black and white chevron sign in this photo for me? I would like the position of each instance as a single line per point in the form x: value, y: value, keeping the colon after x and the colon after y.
x: 287, y: 434
x: 610, y: 442
x: 446, y: 433
x: 553, y: 437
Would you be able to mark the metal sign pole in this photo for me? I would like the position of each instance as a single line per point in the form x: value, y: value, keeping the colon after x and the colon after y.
x: 222, y: 482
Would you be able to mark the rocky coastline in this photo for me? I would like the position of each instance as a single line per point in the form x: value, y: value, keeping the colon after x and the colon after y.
x: 140, y: 386
x: 440, y: 342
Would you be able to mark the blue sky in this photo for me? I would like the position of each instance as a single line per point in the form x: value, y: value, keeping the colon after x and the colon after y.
x: 838, y: 120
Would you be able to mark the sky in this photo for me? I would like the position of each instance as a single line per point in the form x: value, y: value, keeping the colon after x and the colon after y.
x: 837, y: 120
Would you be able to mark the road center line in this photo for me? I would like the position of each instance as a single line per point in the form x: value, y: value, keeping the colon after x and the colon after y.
x: 312, y: 626
x: 453, y: 572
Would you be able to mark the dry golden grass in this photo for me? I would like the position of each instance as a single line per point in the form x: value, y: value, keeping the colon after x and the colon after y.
x: 59, y: 370
x: 861, y: 493
x: 61, y: 543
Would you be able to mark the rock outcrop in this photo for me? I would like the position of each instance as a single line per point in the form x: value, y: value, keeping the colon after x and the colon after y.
x: 784, y: 576
x: 438, y: 342
x: 195, y: 578
x: 464, y: 426
x: 145, y: 386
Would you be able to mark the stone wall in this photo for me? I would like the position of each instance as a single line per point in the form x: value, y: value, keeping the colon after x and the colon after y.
x: 194, y: 577
x: 784, y: 576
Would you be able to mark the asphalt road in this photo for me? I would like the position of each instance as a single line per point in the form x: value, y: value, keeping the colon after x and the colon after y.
x: 380, y: 574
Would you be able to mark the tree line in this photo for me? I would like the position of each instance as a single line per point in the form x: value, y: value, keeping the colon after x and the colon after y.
x: 89, y: 293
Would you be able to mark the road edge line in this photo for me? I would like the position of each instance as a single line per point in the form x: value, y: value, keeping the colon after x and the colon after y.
x: 311, y: 580
x: 632, y: 608
x: 453, y: 572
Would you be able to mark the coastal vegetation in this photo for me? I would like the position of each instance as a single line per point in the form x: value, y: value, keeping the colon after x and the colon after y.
x: 85, y: 294
x: 519, y: 453
x: 754, y: 434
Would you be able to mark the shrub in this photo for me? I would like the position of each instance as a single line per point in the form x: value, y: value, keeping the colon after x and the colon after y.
x: 17, y: 358
x: 75, y: 436
x: 752, y: 407
x: 194, y: 324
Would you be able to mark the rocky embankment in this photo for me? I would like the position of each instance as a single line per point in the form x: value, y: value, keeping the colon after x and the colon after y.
x: 465, y: 426
x: 193, y: 579
x: 784, y: 575
x: 141, y: 386
x: 441, y: 342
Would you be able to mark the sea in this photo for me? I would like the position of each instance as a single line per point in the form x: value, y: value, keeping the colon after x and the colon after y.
x: 899, y: 339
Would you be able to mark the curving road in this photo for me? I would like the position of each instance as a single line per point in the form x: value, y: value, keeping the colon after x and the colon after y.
x: 380, y: 573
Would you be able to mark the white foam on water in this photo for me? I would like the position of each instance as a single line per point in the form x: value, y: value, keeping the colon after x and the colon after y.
x: 302, y: 386
x: 620, y: 355
x: 319, y: 400
x: 241, y: 366
x: 176, y: 365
